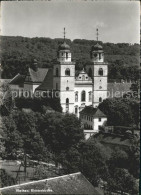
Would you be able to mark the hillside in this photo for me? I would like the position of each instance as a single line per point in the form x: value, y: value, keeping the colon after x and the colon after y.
x: 17, y: 54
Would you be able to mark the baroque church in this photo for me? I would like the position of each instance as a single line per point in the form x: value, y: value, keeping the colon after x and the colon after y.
x: 77, y: 92
x: 88, y: 87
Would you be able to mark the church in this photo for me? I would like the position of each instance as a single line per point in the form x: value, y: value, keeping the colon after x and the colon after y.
x: 76, y: 91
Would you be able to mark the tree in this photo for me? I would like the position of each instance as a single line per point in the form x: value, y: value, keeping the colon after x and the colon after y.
x: 121, y: 112
x: 93, y: 162
x: 60, y: 132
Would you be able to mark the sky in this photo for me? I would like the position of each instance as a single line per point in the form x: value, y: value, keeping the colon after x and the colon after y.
x: 117, y: 21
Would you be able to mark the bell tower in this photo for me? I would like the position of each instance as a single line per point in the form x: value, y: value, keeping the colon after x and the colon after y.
x: 64, y: 76
x: 98, y: 70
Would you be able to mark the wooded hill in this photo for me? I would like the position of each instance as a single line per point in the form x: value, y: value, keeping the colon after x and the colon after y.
x: 17, y: 53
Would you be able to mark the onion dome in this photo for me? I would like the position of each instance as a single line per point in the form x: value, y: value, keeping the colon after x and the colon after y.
x: 64, y: 46
x: 96, y: 47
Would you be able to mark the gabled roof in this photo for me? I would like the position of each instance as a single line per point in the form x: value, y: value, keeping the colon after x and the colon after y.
x: 74, y: 183
x: 18, y: 79
x: 36, y: 76
x: 47, y: 83
x: 95, y: 112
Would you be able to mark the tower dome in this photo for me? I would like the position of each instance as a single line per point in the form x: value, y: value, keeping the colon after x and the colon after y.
x: 64, y: 46
x: 96, y: 47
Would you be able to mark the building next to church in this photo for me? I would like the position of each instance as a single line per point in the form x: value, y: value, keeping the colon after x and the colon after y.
x: 87, y: 88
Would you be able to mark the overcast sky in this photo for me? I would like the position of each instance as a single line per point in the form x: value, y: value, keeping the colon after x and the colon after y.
x: 118, y: 21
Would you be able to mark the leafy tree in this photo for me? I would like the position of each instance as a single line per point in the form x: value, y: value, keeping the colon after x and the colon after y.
x: 6, y: 179
x: 121, y: 112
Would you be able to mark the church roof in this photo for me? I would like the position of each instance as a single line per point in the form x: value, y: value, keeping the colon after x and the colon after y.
x: 36, y: 76
x: 18, y: 79
x: 95, y: 112
x: 97, y: 47
x: 64, y: 46
x: 47, y: 83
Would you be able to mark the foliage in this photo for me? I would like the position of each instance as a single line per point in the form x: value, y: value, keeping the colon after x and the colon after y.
x: 60, y: 132
x: 6, y: 180
x: 121, y: 112
x: 39, y: 104
x: 19, y: 52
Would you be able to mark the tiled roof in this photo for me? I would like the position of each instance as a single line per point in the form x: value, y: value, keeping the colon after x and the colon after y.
x: 74, y: 183
x: 36, y: 76
x: 95, y: 112
x: 47, y: 83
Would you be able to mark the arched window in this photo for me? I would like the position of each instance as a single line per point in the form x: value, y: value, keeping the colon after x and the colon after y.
x: 76, y: 96
x: 100, y: 72
x: 57, y: 72
x: 67, y: 100
x: 66, y: 55
x: 67, y: 104
x: 100, y: 99
x: 83, y: 96
x: 67, y: 72
x: 90, y: 72
x: 76, y: 110
x: 67, y: 88
x: 90, y: 96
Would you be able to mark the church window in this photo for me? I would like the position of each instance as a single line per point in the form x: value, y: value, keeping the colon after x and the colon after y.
x: 100, y: 99
x: 67, y: 72
x: 83, y: 96
x: 100, y: 56
x: 67, y: 104
x: 76, y: 96
x: 90, y: 96
x: 100, y: 72
x: 66, y: 55
x: 76, y: 110
x: 57, y: 72
x: 67, y: 88
x: 90, y: 72
x: 67, y: 100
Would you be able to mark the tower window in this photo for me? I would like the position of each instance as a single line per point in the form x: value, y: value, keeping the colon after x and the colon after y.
x: 83, y: 96
x: 100, y: 56
x: 67, y: 100
x: 67, y: 104
x: 67, y: 72
x: 67, y: 88
x: 100, y: 99
x: 99, y: 119
x: 76, y: 96
x: 62, y: 54
x: 100, y: 87
x: 100, y: 72
x: 57, y: 72
x: 66, y: 55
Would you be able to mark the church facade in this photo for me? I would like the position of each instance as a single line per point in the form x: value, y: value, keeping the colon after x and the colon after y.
x: 88, y: 87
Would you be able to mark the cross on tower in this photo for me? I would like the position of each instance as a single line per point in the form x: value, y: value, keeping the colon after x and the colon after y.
x: 64, y: 34
x: 97, y: 34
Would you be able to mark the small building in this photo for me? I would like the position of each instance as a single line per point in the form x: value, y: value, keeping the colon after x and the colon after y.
x: 92, y: 119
